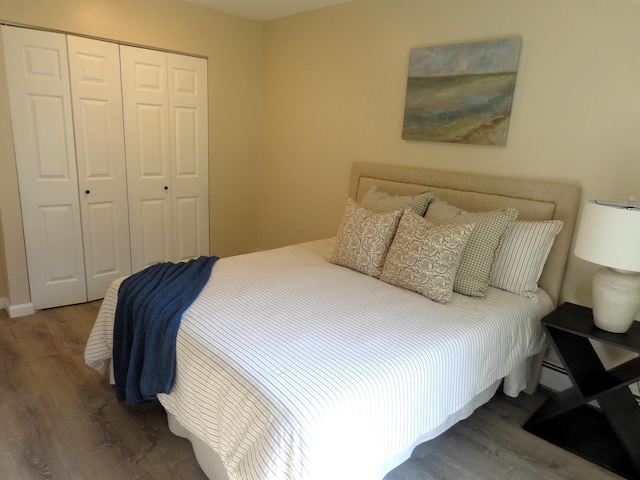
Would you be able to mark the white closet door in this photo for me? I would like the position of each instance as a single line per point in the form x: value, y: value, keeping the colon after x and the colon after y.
x: 146, y: 120
x: 96, y: 94
x: 38, y: 81
x: 189, y: 149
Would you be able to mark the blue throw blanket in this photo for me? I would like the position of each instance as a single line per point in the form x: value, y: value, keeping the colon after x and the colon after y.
x: 148, y: 315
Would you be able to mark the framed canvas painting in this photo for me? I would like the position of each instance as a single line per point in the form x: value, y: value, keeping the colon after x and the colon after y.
x: 461, y: 93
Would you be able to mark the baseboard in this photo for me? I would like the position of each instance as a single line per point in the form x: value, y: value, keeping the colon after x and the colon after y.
x: 21, y: 310
x: 555, y: 378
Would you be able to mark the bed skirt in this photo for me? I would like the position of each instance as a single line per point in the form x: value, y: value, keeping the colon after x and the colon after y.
x: 212, y: 466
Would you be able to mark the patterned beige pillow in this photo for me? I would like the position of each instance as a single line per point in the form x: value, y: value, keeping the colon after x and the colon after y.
x: 379, y: 201
x: 482, y: 250
x: 523, y: 255
x: 424, y: 257
x: 364, y: 238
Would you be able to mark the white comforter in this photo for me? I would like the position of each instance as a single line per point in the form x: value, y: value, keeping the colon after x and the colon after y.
x: 293, y: 368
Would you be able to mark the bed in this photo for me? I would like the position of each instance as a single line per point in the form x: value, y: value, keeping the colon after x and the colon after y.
x: 292, y: 367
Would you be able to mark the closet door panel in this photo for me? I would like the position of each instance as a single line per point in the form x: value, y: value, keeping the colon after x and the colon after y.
x: 155, y: 226
x: 94, y: 68
x: 188, y: 228
x: 55, y: 221
x: 101, y: 227
x: 189, y: 134
x: 40, y: 104
x: 151, y: 131
x: 146, y: 117
x: 50, y: 149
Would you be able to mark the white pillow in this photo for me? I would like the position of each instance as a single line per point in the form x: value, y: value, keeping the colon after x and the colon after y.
x: 524, y: 252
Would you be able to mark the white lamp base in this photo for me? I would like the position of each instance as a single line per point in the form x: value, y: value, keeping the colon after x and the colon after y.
x: 616, y: 299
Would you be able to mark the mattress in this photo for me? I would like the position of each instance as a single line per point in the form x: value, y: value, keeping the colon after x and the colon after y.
x: 292, y: 368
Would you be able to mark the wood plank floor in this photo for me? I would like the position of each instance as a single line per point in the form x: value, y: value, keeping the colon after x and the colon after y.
x: 60, y: 420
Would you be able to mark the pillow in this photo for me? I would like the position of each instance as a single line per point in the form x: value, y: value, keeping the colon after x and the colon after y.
x: 482, y: 249
x: 424, y: 257
x: 364, y: 238
x: 379, y: 201
x: 523, y: 255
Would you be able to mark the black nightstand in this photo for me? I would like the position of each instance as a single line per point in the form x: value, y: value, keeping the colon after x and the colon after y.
x: 609, y: 437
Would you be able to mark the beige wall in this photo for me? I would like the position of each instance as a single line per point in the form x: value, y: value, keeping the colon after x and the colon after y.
x: 334, y: 83
x: 333, y: 86
x: 233, y: 48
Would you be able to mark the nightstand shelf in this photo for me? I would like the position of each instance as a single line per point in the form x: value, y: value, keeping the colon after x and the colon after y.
x: 609, y: 437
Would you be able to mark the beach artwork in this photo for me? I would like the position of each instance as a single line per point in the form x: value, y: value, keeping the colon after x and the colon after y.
x: 461, y: 93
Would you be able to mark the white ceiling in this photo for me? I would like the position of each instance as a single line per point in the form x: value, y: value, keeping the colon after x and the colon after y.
x: 261, y: 10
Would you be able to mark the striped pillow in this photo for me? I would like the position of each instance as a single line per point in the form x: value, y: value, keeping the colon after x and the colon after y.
x: 482, y: 249
x: 364, y: 239
x: 523, y: 255
x: 379, y: 201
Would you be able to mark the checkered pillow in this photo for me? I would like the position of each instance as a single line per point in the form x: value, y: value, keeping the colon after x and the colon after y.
x: 481, y: 252
x: 379, y: 201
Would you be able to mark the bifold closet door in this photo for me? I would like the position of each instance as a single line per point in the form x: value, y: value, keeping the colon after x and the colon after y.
x: 146, y: 120
x: 112, y: 158
x: 40, y: 103
x: 165, y: 112
x: 96, y: 94
x: 188, y: 128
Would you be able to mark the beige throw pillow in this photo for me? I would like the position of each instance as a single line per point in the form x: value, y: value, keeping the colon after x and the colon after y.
x: 364, y: 238
x: 379, y: 201
x: 482, y: 249
x: 424, y: 257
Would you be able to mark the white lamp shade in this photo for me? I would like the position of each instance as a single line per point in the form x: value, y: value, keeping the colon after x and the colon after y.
x: 609, y: 235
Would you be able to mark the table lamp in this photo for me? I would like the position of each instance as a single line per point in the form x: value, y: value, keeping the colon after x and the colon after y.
x: 609, y: 235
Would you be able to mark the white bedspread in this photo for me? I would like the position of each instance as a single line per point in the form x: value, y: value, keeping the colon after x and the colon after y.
x: 296, y: 369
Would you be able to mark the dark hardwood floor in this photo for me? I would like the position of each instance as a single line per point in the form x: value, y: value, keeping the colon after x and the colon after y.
x: 59, y: 419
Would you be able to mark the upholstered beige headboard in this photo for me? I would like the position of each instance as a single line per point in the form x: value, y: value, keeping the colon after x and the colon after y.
x: 534, y: 200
